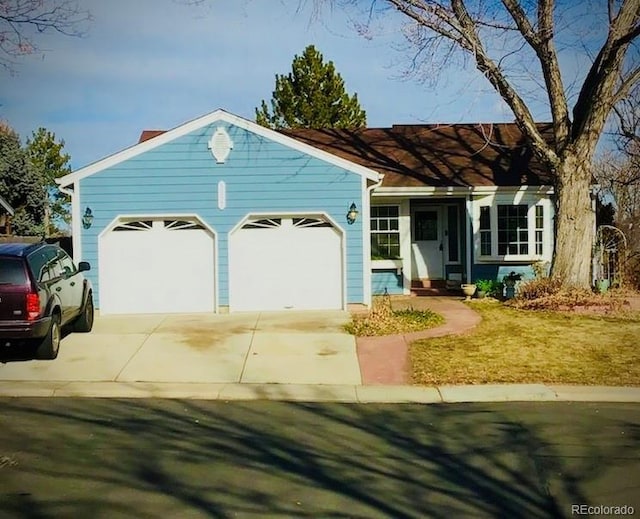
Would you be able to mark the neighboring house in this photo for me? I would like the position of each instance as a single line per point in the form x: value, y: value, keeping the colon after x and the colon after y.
x: 6, y: 211
x: 223, y: 214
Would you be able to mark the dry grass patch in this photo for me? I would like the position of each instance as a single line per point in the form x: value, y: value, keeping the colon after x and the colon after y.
x: 384, y: 320
x: 523, y: 346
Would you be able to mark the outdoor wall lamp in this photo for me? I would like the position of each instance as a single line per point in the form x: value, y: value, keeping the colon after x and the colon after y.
x: 352, y: 214
x: 87, y: 219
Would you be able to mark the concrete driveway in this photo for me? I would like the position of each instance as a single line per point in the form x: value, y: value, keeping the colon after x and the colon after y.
x: 279, y: 347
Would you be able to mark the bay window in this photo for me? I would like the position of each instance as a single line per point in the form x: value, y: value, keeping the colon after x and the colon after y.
x: 512, y: 231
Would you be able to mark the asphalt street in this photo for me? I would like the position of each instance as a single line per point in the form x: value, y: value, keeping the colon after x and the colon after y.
x: 171, y: 458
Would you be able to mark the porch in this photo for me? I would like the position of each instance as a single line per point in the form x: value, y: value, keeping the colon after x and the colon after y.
x: 419, y: 245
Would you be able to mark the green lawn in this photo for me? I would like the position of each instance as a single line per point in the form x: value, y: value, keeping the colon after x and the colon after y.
x: 520, y: 346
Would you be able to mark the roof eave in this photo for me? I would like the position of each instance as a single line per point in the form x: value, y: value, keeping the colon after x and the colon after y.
x: 218, y: 115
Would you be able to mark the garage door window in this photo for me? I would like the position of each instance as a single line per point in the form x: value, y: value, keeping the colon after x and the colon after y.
x: 264, y: 223
x: 141, y: 225
x: 179, y: 225
x: 310, y: 222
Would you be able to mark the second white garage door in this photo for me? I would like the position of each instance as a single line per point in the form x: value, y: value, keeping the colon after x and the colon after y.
x: 156, y: 266
x: 286, y: 263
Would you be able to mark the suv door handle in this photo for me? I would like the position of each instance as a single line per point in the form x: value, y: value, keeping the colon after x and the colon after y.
x: 73, y: 283
x: 58, y: 289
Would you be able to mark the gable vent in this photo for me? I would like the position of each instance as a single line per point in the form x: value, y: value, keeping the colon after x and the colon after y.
x: 220, y: 145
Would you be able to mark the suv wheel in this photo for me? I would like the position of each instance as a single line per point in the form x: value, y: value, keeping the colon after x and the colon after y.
x: 48, y: 348
x: 84, y: 322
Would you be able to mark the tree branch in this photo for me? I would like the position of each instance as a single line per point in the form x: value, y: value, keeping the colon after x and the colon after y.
x: 598, y: 93
x: 541, y: 41
x: 18, y: 16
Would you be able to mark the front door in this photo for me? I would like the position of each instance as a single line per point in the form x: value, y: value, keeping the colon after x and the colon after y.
x: 427, y: 243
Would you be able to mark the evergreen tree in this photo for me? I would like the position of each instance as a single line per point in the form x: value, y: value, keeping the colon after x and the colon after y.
x: 21, y: 185
x: 312, y: 95
x: 48, y: 157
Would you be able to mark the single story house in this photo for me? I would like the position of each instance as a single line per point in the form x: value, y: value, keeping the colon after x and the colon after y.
x: 6, y: 212
x: 222, y: 214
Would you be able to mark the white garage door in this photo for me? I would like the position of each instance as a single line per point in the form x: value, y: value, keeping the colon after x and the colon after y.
x: 286, y: 263
x: 156, y: 266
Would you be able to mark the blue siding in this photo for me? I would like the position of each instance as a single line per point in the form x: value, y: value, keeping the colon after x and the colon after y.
x: 386, y: 280
x: 497, y: 271
x: 261, y: 176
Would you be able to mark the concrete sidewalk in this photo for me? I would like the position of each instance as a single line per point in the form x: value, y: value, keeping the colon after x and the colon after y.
x: 324, y: 393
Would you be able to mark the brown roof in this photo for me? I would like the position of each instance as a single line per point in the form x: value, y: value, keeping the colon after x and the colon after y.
x: 437, y: 155
x: 149, y: 134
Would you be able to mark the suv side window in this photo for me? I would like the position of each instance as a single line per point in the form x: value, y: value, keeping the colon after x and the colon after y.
x: 45, y: 264
x: 66, y: 263
x: 55, y: 269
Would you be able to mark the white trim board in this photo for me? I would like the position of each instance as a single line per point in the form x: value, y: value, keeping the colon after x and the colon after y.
x: 213, y: 117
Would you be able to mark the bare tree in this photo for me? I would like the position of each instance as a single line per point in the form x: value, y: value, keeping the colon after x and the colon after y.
x: 22, y: 20
x: 627, y: 133
x: 478, y: 30
x: 619, y: 177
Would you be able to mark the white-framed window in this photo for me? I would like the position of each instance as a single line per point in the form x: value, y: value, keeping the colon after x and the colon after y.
x: 540, y: 230
x: 485, y: 230
x: 513, y: 228
x: 385, y: 232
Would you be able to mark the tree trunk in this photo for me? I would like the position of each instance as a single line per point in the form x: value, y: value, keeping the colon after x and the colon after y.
x: 574, y: 222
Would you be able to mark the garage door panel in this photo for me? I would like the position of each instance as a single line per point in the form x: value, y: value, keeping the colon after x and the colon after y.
x: 285, y: 266
x: 317, y: 267
x: 161, y: 269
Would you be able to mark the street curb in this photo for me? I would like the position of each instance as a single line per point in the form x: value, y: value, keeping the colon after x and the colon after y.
x: 323, y: 393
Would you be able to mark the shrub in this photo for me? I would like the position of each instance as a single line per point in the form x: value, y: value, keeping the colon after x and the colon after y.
x: 540, y: 269
x: 484, y: 285
x: 548, y: 294
x: 497, y: 289
x: 537, y: 288
x: 384, y: 320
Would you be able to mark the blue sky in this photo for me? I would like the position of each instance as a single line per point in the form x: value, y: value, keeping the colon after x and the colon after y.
x: 154, y: 64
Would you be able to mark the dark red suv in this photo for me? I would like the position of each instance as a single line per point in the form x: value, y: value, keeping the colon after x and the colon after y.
x: 41, y: 290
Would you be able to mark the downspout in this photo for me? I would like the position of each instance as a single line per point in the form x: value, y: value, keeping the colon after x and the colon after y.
x: 469, y: 231
x: 366, y: 233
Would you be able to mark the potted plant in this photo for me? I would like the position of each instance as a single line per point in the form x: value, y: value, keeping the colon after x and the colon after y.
x: 484, y: 286
x: 468, y: 289
x: 510, y: 284
x: 497, y: 290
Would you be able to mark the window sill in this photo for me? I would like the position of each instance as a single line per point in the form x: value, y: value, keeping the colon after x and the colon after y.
x: 387, y: 264
x: 509, y: 259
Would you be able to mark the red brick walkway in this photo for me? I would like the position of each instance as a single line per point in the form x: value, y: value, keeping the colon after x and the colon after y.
x: 384, y: 360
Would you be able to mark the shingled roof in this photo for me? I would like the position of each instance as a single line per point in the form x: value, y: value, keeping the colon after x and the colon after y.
x: 437, y: 155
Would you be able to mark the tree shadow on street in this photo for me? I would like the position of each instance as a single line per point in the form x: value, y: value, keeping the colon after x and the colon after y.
x: 145, y: 458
